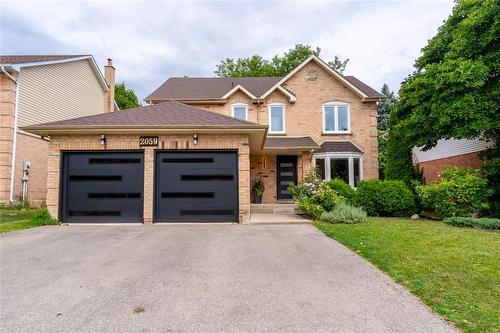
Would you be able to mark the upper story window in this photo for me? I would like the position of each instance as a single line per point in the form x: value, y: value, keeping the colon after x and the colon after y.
x: 277, y: 118
x: 239, y: 111
x: 336, y: 117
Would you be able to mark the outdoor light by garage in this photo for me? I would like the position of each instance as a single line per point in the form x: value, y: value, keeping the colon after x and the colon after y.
x: 195, y: 138
x: 103, y: 139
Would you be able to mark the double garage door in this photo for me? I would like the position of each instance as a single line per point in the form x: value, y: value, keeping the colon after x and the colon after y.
x: 189, y: 186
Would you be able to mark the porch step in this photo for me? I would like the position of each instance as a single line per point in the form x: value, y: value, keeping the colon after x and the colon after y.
x: 276, y: 218
x: 288, y: 208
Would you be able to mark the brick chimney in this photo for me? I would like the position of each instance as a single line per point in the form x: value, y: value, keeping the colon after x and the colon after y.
x: 109, y: 76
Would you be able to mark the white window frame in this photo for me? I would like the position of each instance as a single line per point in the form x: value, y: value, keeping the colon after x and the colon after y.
x: 239, y: 105
x: 335, y: 105
x: 350, y: 158
x: 282, y: 105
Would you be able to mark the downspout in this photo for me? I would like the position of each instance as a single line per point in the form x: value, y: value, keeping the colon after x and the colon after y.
x: 14, y: 136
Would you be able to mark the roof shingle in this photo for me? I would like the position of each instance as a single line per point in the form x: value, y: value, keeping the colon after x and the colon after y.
x: 159, y: 115
x: 290, y: 142
x: 369, y: 91
x: 198, y: 88
x: 339, y: 147
x: 22, y: 59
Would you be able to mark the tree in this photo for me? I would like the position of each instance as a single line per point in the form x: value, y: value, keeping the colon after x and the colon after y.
x: 385, y: 107
x: 125, y: 98
x: 454, y: 91
x: 277, y: 66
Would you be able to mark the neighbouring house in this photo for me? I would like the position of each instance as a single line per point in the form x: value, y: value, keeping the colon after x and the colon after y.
x: 448, y: 153
x: 195, y: 152
x: 37, y: 89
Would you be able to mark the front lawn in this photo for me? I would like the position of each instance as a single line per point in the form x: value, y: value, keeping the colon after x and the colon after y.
x: 16, y: 219
x: 456, y: 271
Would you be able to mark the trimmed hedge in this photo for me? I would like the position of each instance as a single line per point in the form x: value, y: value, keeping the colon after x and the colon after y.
x: 342, y: 188
x: 385, y: 198
x: 483, y: 223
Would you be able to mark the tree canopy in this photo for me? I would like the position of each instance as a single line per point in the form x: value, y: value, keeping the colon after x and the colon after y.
x: 125, y: 97
x: 454, y: 91
x: 385, y: 107
x: 277, y: 66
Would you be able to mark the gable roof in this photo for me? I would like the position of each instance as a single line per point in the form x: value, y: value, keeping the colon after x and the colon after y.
x: 217, y: 89
x: 16, y: 62
x: 166, y: 115
x: 206, y: 88
x: 353, y: 86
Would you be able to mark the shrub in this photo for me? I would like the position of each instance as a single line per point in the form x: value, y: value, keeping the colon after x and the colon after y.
x: 483, y: 223
x: 43, y: 218
x: 313, y: 196
x: 461, y: 192
x: 385, y: 198
x: 342, y: 188
x: 344, y: 213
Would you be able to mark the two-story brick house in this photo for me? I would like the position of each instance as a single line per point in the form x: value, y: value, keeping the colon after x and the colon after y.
x: 196, y: 151
x: 42, y: 88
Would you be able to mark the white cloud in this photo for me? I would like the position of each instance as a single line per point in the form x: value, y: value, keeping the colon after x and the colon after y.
x: 150, y: 41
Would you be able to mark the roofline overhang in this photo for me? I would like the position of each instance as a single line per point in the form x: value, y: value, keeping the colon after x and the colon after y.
x: 90, y: 58
x: 291, y: 148
x: 187, y: 101
x: 46, y: 131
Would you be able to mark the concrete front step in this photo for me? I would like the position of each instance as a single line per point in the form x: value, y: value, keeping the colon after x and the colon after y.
x: 288, y: 208
x: 278, y: 218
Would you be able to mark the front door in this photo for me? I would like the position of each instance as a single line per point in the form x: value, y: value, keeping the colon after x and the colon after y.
x: 287, y: 175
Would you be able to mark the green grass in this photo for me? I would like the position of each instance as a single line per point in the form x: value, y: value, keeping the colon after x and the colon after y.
x: 16, y: 219
x: 455, y: 271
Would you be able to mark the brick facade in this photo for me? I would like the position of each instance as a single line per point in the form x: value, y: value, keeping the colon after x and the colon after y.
x: 431, y: 170
x: 7, y: 110
x: 129, y: 142
x: 305, y: 118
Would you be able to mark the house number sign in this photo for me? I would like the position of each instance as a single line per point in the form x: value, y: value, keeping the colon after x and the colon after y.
x: 148, y: 141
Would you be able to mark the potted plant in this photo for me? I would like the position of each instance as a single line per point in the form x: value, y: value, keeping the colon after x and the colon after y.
x: 258, y: 189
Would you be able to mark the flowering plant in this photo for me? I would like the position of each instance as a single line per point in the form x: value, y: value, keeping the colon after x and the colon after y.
x: 313, y: 196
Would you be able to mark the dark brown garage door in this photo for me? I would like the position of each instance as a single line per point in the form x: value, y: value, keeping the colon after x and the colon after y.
x: 100, y: 187
x: 196, y: 186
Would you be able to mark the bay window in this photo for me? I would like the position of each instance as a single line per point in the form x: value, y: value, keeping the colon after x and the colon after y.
x: 336, y: 117
x: 345, y: 166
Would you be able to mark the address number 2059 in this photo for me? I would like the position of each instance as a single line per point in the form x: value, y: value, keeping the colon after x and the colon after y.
x: 145, y: 141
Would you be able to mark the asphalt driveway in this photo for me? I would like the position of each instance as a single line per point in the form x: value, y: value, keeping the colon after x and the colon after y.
x: 202, y: 278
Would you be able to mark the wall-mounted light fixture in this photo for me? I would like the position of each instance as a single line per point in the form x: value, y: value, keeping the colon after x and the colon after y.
x: 103, y: 140
x: 263, y: 162
x: 195, y: 138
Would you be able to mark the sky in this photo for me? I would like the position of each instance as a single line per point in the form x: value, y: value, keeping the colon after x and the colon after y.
x: 150, y: 41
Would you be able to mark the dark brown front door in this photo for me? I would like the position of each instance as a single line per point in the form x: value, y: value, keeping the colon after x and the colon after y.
x: 287, y: 175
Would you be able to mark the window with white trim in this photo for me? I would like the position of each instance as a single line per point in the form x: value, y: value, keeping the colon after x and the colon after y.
x: 239, y: 111
x: 336, y: 117
x: 277, y: 118
x: 345, y: 166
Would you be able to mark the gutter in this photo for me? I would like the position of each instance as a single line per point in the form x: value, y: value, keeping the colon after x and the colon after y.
x: 14, y: 136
